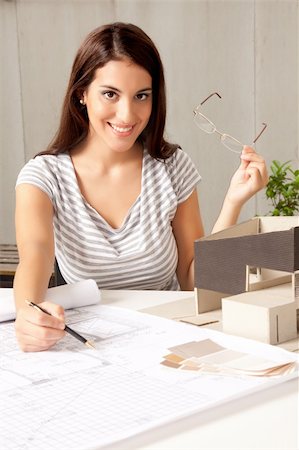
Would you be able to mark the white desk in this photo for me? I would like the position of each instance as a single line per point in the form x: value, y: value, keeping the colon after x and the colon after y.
x: 265, y: 420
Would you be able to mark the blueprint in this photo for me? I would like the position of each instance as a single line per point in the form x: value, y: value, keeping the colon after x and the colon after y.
x: 73, y: 397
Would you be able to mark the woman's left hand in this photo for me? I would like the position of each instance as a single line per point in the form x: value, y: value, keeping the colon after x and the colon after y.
x: 250, y: 177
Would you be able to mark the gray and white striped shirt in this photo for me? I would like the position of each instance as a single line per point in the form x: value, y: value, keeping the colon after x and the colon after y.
x: 142, y: 253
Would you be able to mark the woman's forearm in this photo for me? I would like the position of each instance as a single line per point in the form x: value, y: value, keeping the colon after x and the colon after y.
x: 228, y: 216
x: 32, y: 278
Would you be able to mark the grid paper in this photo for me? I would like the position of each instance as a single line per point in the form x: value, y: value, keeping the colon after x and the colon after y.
x: 77, y: 398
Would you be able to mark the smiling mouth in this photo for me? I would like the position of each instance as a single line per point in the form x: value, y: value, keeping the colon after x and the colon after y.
x: 119, y: 129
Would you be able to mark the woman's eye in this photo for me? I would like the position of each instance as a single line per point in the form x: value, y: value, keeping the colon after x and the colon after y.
x: 141, y: 96
x: 110, y: 95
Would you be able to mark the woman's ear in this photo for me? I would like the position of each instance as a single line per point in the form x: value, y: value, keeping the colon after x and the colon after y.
x: 81, y: 97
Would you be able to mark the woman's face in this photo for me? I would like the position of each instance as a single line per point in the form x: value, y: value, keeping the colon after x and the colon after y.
x: 119, y: 104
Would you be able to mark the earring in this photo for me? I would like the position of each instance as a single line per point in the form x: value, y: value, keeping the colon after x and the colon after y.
x: 82, y: 102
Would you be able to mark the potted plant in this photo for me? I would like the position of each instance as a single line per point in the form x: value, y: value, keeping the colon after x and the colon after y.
x: 283, y: 189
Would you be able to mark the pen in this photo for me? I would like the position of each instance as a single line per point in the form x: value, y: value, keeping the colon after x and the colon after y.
x: 66, y: 328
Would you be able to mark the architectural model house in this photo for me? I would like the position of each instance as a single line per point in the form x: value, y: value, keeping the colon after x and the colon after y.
x: 251, y: 270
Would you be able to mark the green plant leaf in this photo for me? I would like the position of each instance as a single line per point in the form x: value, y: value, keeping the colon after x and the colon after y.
x: 283, y: 189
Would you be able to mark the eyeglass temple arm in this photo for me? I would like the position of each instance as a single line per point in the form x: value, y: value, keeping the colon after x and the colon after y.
x: 211, y: 95
x: 261, y: 132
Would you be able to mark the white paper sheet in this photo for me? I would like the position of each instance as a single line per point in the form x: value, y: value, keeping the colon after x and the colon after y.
x: 78, y: 398
x: 69, y: 296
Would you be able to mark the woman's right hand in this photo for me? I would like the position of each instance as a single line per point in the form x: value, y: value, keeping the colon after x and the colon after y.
x: 37, y: 331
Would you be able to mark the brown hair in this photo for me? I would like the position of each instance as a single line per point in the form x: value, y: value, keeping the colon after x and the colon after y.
x: 106, y: 43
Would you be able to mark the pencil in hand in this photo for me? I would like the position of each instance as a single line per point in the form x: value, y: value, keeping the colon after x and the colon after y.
x: 66, y: 328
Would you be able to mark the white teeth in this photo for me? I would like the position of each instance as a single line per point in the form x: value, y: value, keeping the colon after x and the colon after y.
x: 121, y: 130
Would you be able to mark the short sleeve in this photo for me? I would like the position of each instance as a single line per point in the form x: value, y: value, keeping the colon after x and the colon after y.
x: 39, y: 172
x: 183, y: 173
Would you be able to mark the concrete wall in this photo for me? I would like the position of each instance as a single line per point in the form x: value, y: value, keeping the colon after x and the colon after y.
x: 247, y: 50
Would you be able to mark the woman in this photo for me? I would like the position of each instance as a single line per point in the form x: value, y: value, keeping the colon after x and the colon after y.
x: 110, y: 198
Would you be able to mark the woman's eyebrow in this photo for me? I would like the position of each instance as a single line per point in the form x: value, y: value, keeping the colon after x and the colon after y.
x: 109, y: 87
x: 147, y: 89
x: 112, y: 88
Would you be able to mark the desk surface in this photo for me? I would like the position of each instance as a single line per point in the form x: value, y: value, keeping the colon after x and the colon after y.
x: 264, y: 420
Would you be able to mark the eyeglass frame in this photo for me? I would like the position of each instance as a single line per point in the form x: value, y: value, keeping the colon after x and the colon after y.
x: 196, y: 112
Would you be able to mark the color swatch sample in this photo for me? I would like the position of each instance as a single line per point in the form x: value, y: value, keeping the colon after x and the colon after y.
x: 208, y: 356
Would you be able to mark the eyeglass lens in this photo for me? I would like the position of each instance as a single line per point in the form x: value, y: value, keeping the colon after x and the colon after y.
x: 204, y: 123
x: 208, y: 127
x: 231, y: 143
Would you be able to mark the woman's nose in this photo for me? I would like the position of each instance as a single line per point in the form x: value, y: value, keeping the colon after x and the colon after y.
x: 125, y: 111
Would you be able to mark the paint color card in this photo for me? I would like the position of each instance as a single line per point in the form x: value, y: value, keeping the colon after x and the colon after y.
x: 209, y: 357
x: 196, y: 348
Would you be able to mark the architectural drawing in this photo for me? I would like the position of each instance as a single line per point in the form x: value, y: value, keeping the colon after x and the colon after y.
x: 72, y: 397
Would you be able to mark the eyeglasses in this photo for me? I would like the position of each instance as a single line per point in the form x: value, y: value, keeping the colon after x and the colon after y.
x: 207, y: 126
